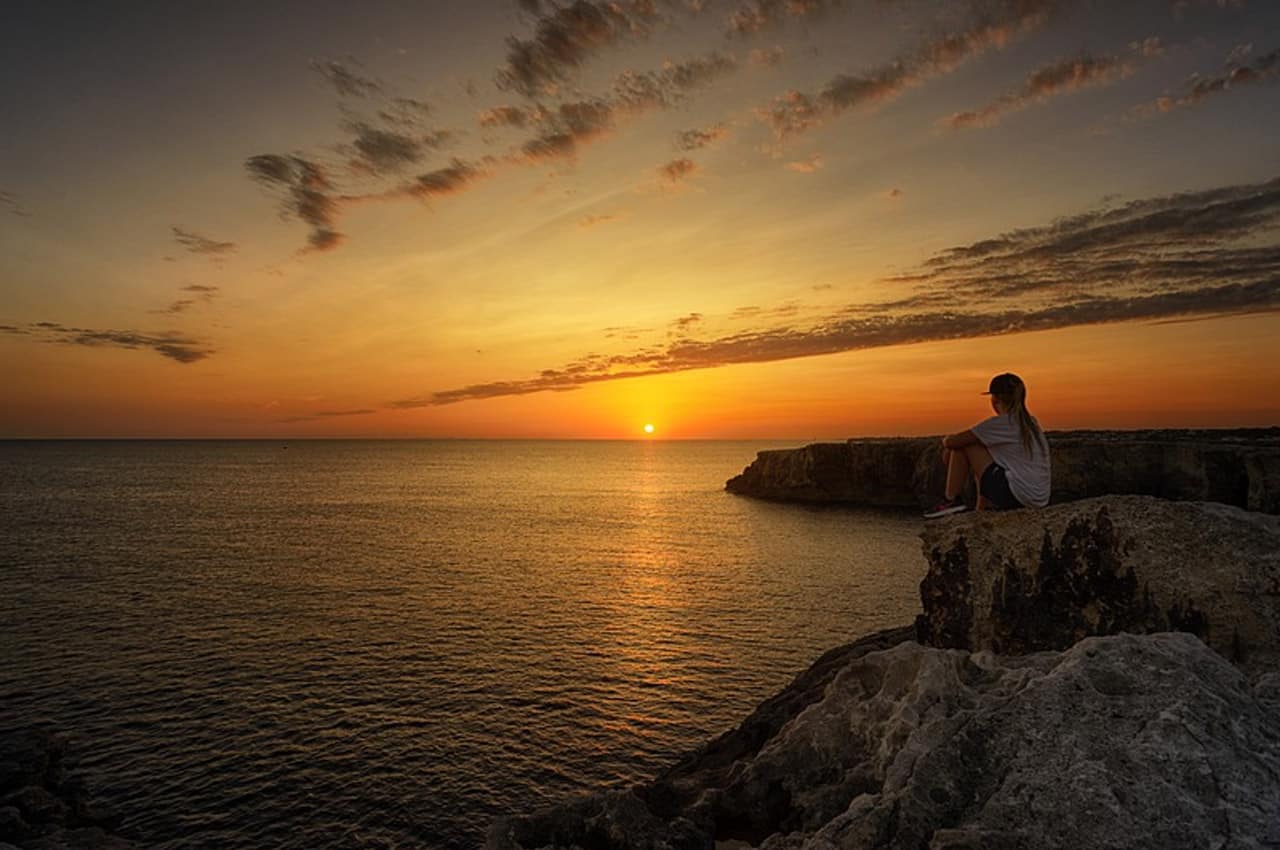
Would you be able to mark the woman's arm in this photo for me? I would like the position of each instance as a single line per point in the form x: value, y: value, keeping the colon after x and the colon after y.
x: 960, y: 440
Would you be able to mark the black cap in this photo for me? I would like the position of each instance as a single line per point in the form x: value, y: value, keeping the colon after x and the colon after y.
x: 1003, y: 384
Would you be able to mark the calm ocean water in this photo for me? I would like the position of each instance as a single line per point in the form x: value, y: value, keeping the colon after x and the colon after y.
x: 387, y: 644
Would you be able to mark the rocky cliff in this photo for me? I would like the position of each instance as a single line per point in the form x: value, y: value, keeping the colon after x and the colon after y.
x: 1235, y: 467
x: 1033, y: 580
x: 1120, y: 742
x: 1150, y: 740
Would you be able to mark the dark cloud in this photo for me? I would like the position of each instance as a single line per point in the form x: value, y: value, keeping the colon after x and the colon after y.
x: 504, y: 116
x: 378, y: 150
x: 566, y: 127
x: 344, y: 81
x: 692, y: 140
x: 992, y: 25
x: 305, y: 193
x: 641, y: 91
x: 175, y: 347
x: 450, y: 180
x: 1057, y: 78
x: 1195, y: 254
x: 1263, y: 69
x: 677, y: 170
x: 200, y: 294
x: 683, y: 323
x: 197, y: 244
x: 759, y: 15
x: 565, y: 37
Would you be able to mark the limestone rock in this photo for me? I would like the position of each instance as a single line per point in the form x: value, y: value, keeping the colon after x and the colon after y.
x: 1238, y: 467
x: 1127, y: 741
x: 1029, y: 580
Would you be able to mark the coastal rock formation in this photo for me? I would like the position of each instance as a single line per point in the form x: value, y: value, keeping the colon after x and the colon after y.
x: 43, y: 805
x: 1236, y: 467
x: 1128, y: 741
x: 1024, y: 581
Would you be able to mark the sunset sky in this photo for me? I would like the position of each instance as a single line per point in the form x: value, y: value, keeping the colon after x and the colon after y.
x: 792, y: 219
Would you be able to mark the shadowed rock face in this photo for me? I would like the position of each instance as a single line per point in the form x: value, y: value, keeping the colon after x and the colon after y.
x: 1235, y: 467
x: 1120, y: 742
x: 43, y: 805
x: 1035, y: 580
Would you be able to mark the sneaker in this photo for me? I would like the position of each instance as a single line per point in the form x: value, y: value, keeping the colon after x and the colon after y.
x: 947, y: 507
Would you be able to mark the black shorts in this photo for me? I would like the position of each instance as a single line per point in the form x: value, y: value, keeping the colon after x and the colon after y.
x: 994, y: 487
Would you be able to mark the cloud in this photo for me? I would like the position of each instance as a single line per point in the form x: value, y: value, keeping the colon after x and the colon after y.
x: 565, y: 37
x: 806, y: 166
x: 378, y: 150
x: 683, y: 323
x: 8, y: 199
x: 1061, y: 77
x: 197, y: 244
x: 796, y: 112
x: 305, y: 193
x: 641, y: 91
x: 450, y: 180
x: 696, y: 139
x: 1187, y: 255
x: 566, y: 127
x: 344, y: 81
x: 767, y: 57
x: 1263, y: 69
x: 677, y: 170
x: 504, y: 116
x: 326, y: 414
x: 594, y: 220
x: 759, y: 15
x: 200, y: 294
x: 176, y: 347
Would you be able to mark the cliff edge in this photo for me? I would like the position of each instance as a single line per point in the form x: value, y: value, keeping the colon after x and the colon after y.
x: 1238, y: 467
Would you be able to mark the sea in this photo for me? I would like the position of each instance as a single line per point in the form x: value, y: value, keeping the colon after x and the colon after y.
x: 388, y: 644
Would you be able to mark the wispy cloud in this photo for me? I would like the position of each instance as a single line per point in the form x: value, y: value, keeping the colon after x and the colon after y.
x: 1177, y: 256
x: 758, y: 15
x: 8, y: 199
x: 305, y: 192
x: 176, y: 347
x: 203, y: 245
x: 344, y: 81
x: 795, y: 111
x: 326, y: 414
x: 596, y: 220
x: 806, y: 166
x: 698, y: 138
x: 677, y: 170
x: 565, y: 37
x: 1237, y: 73
x: 1056, y: 78
x: 196, y: 294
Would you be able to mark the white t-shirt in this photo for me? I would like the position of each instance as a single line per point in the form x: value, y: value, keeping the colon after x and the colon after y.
x: 1028, y: 475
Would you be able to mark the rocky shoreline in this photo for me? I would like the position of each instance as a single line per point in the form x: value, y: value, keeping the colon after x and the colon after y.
x: 44, y: 805
x: 1101, y: 674
x: 1239, y: 467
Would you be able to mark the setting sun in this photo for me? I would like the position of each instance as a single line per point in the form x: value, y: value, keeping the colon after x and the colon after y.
x: 648, y: 428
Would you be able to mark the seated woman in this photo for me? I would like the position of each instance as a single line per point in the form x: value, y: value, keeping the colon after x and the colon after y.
x: 1007, y: 455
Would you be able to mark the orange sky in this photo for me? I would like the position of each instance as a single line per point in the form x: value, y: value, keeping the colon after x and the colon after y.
x: 791, y: 222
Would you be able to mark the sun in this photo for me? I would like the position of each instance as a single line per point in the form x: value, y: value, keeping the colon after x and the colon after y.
x: 648, y: 428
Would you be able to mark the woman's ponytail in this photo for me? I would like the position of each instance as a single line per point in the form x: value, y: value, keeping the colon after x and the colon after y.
x: 1015, y: 402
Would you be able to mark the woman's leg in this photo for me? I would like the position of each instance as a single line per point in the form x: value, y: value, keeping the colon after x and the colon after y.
x: 957, y: 462
x: 977, y: 459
